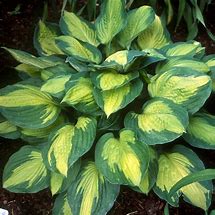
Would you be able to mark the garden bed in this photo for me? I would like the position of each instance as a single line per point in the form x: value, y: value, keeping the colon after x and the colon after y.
x: 16, y: 31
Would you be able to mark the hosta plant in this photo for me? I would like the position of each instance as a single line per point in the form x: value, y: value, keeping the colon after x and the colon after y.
x: 108, y: 103
x: 192, y: 12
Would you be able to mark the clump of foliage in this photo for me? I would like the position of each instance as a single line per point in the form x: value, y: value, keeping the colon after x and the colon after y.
x: 106, y: 104
x: 190, y: 11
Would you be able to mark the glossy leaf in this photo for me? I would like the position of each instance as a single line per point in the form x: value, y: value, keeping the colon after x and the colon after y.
x: 122, y: 160
x: 80, y: 50
x: 26, y: 106
x: 57, y: 70
x: 161, y: 121
x: 44, y: 38
x: 179, y: 62
x: 183, y: 48
x: 91, y: 193
x: 202, y: 175
x: 56, y: 86
x: 56, y: 182
x: 186, y: 87
x: 79, y: 94
x: 108, y: 80
x: 138, y: 20
x: 113, y: 100
x: 123, y: 61
x: 201, y: 131
x: 175, y: 165
x: 59, y: 183
x: 75, y: 26
x: 26, y: 58
x: 155, y: 36
x: 69, y: 143
x: 111, y: 20
x: 25, y: 171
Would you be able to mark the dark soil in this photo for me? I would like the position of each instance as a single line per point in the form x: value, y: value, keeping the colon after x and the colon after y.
x: 16, y: 31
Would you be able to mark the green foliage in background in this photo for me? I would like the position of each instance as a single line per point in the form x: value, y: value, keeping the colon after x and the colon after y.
x: 109, y: 103
x: 190, y: 11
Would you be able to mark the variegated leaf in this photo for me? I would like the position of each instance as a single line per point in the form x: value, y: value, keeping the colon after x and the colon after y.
x: 113, y: 100
x: 75, y: 26
x: 138, y: 20
x: 201, y: 131
x: 59, y: 183
x: 61, y: 205
x: 29, y: 70
x: 155, y: 36
x: 57, y: 70
x: 8, y: 130
x: 122, y: 160
x: 69, y: 143
x: 175, y: 165
x: 79, y: 94
x: 111, y: 20
x: 44, y: 38
x: 179, y: 62
x: 25, y: 172
x: 183, y: 86
x: 91, y: 193
x: 80, y: 50
x: 150, y: 177
x: 26, y: 58
x: 123, y: 61
x: 78, y: 65
x: 26, y: 106
x: 161, y: 121
x: 108, y: 80
x: 190, y: 49
x: 152, y: 56
x: 56, y: 86
x: 40, y: 135
x: 56, y: 182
